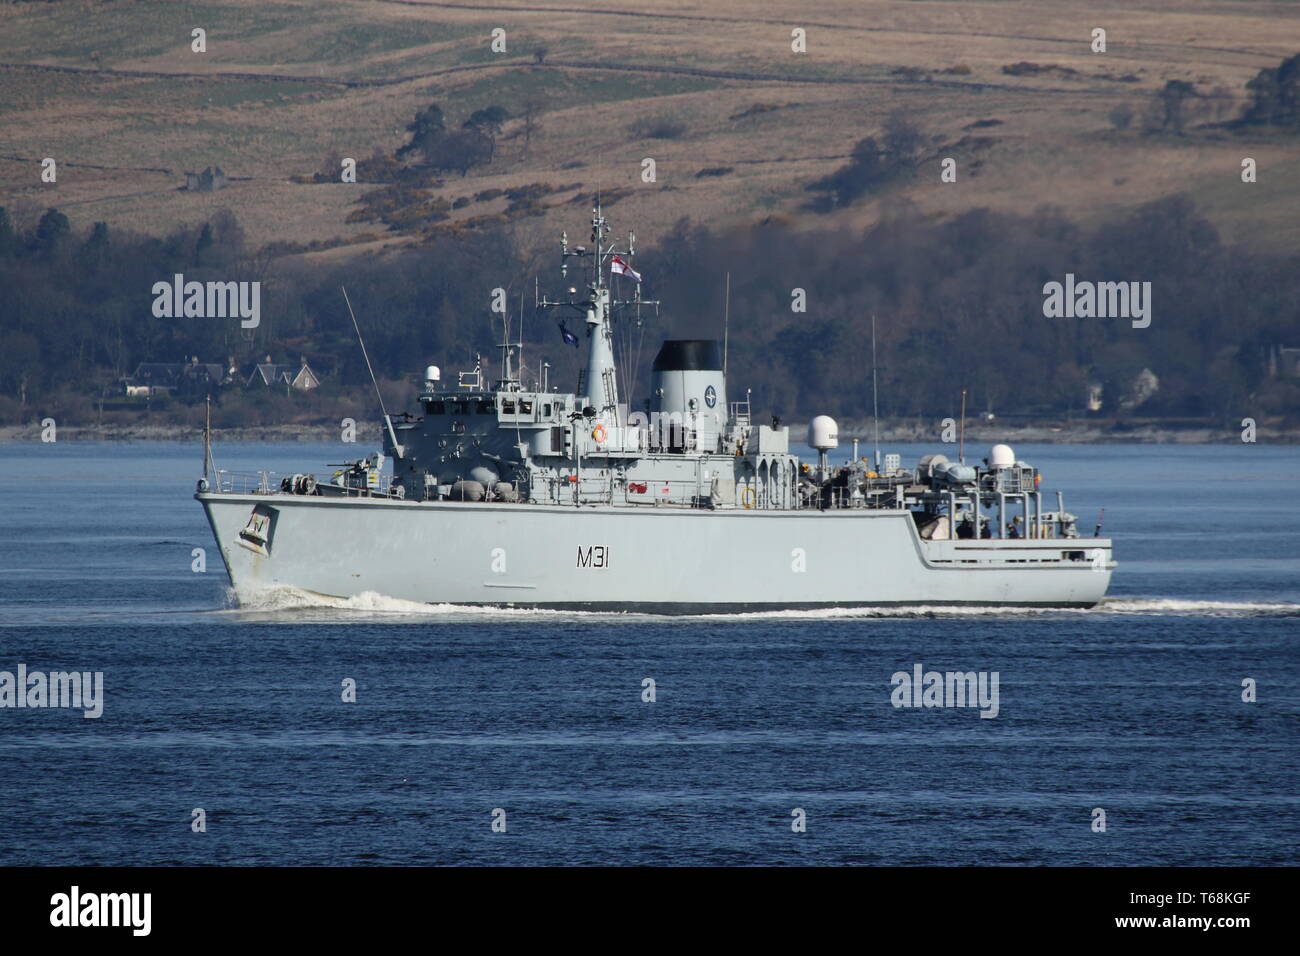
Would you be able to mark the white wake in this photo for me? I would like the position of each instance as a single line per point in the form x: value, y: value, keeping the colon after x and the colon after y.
x: 287, y: 600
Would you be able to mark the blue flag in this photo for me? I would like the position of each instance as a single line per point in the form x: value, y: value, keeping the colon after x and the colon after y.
x: 569, y: 337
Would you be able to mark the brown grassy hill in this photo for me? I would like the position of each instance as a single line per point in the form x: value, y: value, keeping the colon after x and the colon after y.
x: 114, y: 93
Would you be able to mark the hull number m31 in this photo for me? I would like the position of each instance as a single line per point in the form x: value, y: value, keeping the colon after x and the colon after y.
x: 593, y: 556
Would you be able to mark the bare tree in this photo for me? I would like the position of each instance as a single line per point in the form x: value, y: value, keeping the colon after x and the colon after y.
x: 532, y: 109
x: 902, y: 138
x: 1177, y: 98
x: 1222, y: 103
x: 333, y: 164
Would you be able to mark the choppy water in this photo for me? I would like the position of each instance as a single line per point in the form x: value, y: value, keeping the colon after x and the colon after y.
x: 1134, y: 707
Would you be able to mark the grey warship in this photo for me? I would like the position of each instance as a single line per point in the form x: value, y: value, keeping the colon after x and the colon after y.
x: 504, y: 495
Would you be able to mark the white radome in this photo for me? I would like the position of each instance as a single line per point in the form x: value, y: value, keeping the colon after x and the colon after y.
x: 823, y: 433
x: 1001, y: 456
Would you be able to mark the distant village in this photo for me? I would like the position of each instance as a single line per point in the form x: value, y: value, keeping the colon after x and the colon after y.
x: 193, y: 380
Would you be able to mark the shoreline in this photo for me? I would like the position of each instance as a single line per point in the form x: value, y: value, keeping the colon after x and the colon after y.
x: 370, y: 433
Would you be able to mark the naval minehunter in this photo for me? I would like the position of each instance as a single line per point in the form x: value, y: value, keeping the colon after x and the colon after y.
x: 527, y: 497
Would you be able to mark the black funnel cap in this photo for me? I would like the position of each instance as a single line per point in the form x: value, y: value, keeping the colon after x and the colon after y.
x: 689, y: 355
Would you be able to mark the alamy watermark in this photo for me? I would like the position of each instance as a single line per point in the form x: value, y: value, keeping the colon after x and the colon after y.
x: 1098, y: 300
x: 922, y: 688
x: 81, y: 689
x: 75, y: 908
x: 208, y: 300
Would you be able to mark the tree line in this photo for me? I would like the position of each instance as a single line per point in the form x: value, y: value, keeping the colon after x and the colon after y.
x: 958, y: 304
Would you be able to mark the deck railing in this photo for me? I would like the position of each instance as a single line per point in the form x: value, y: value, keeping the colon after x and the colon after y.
x: 268, y: 483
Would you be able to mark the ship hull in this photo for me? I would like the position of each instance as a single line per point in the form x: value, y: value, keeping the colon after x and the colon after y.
x: 665, y: 560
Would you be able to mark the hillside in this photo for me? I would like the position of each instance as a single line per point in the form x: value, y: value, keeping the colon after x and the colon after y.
x: 115, y: 94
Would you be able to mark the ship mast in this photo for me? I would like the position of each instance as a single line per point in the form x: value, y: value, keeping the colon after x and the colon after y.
x: 602, y: 386
x: 599, y: 387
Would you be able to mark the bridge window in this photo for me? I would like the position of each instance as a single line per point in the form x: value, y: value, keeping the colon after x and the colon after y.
x: 486, y: 406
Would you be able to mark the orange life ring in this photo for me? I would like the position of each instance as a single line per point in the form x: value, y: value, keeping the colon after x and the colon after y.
x: 599, y: 434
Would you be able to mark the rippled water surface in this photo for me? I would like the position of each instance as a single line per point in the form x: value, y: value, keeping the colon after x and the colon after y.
x: 1134, y: 707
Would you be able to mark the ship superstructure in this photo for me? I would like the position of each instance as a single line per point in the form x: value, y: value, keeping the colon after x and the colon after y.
x: 504, y: 494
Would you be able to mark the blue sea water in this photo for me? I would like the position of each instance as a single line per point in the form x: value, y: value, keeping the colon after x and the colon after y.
x: 1135, y: 707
